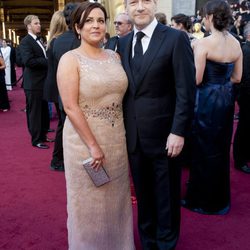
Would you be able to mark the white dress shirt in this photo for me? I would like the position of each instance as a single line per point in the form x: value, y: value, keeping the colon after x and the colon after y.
x: 148, y: 31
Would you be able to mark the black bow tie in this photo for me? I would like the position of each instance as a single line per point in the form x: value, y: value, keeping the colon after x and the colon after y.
x: 38, y: 38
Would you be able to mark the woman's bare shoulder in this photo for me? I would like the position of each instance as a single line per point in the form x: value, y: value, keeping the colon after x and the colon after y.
x: 200, y: 45
x: 234, y: 41
x: 69, y: 54
x: 201, y: 42
x: 69, y: 58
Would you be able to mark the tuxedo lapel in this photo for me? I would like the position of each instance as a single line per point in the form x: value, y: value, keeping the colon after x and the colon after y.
x: 37, y: 46
x: 153, y: 49
x: 126, y: 56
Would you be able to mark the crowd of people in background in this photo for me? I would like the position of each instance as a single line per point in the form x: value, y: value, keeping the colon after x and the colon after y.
x: 199, y: 107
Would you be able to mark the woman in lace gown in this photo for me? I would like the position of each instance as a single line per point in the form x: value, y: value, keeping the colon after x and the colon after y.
x: 218, y: 60
x: 92, y: 84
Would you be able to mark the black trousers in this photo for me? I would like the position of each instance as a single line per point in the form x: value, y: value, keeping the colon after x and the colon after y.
x: 57, y: 157
x: 157, y: 181
x: 37, y: 112
x: 241, y: 148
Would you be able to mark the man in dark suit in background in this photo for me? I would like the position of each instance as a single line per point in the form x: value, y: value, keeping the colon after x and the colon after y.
x: 241, y: 149
x: 65, y: 42
x: 123, y: 26
x: 34, y: 59
x: 158, y: 109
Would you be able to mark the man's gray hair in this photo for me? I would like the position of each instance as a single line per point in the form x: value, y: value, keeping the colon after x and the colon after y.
x: 126, y: 15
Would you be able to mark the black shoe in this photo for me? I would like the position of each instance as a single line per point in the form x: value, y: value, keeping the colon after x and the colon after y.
x: 244, y: 169
x: 57, y: 167
x: 41, y: 146
x: 199, y: 210
x: 50, y: 130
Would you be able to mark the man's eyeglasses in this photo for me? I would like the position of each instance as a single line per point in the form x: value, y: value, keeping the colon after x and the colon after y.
x: 118, y: 23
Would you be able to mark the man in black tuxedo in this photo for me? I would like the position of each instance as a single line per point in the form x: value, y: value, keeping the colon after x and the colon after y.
x: 158, y: 109
x: 241, y: 149
x: 34, y: 59
x: 123, y: 26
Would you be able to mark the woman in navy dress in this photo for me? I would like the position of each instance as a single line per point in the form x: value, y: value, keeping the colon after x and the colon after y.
x: 218, y: 60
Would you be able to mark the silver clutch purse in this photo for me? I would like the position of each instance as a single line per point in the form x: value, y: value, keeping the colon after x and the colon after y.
x: 99, y: 177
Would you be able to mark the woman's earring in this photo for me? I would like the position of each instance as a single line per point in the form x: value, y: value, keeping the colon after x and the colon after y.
x: 79, y: 36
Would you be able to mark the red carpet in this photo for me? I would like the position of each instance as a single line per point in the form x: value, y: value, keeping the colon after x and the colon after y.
x: 33, y: 198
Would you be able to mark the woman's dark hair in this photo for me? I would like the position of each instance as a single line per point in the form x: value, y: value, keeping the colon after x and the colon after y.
x: 184, y: 20
x: 244, y: 5
x: 161, y: 18
x: 221, y: 13
x: 107, y: 35
x: 82, y: 12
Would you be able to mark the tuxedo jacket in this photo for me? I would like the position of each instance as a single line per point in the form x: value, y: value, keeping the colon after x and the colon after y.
x: 50, y: 91
x: 160, y: 98
x: 35, y: 64
x: 65, y: 42
x: 112, y: 43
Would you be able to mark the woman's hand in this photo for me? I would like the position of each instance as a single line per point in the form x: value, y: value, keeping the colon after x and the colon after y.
x: 97, y: 156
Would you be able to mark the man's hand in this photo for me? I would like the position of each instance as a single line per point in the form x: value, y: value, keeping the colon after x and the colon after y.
x: 174, y: 145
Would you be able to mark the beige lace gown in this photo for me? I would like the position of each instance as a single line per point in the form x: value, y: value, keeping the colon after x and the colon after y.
x: 99, y: 218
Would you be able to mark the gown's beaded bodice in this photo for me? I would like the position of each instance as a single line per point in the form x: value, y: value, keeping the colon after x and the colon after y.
x: 103, y: 86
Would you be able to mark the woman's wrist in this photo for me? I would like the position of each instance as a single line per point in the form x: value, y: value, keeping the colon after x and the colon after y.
x: 92, y: 145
